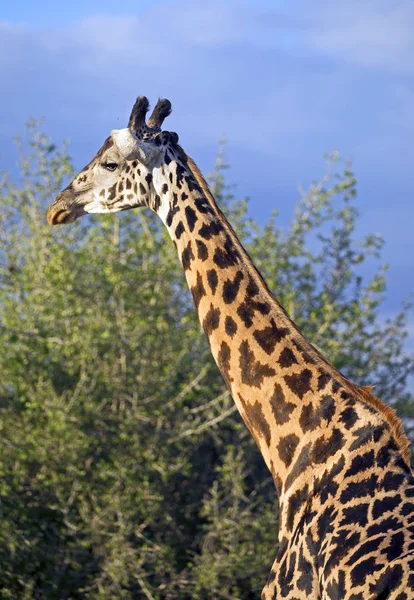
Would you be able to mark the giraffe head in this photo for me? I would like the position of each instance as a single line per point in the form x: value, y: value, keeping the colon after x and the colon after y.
x: 119, y: 177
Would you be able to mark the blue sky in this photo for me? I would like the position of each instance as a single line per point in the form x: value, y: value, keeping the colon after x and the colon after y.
x: 285, y: 81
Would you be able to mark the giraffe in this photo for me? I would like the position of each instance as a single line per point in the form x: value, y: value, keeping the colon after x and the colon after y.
x: 338, y: 456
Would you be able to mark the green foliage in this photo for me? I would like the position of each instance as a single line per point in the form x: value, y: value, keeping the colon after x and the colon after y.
x: 125, y: 470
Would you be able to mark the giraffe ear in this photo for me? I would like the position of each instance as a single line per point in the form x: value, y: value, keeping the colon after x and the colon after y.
x: 130, y: 146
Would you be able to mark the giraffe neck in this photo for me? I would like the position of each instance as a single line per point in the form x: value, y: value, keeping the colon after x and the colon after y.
x: 299, y: 409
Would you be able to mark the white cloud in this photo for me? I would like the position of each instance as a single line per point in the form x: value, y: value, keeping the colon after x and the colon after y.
x: 211, y: 58
x: 373, y: 33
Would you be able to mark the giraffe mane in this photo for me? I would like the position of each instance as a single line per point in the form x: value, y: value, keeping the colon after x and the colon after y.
x: 363, y: 393
x: 200, y: 178
x: 395, y: 423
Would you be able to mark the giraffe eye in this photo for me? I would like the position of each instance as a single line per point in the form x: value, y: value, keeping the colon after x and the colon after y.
x: 110, y: 166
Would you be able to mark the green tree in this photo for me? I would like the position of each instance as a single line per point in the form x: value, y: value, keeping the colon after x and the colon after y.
x: 126, y: 471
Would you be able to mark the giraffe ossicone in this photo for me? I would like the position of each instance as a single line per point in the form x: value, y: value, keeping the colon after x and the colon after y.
x: 338, y: 455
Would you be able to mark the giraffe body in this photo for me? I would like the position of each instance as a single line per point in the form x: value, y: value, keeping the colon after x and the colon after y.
x: 338, y: 455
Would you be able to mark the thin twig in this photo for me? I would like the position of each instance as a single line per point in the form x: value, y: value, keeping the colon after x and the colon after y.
x: 206, y: 425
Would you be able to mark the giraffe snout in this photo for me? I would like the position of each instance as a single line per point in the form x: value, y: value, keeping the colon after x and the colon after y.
x: 63, y: 211
x: 58, y: 217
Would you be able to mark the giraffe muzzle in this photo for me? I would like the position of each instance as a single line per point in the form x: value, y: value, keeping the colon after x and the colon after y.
x: 65, y: 209
x: 59, y: 216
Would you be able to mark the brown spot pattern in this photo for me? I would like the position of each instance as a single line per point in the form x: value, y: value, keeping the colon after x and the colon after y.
x: 211, y: 320
x: 230, y: 326
x: 280, y: 407
x: 187, y: 256
x: 311, y: 416
x: 223, y: 360
x: 324, y: 448
x: 202, y: 251
x: 257, y: 420
x: 252, y: 371
x: 231, y: 288
x: 287, y: 447
x: 268, y: 337
x: 212, y: 280
x: 198, y: 290
x: 300, y: 383
x: 287, y: 358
